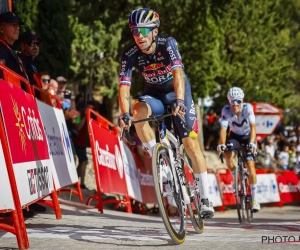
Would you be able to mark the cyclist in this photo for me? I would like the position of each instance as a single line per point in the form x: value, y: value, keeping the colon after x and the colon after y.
x: 239, y: 116
x: 157, y: 58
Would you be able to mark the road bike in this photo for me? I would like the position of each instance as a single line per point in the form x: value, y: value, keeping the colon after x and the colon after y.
x: 174, y: 181
x: 242, y: 192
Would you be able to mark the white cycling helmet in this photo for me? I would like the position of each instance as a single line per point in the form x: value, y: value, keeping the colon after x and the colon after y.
x: 235, y: 93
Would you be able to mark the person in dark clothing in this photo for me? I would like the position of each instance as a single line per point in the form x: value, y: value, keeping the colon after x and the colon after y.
x: 30, y: 48
x: 9, y: 33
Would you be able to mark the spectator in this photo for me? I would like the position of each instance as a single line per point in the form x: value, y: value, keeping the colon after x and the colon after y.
x: 284, y: 157
x: 53, y: 87
x: 270, y: 154
x: 292, y: 136
x: 81, y: 142
x: 292, y: 155
x: 9, y: 33
x: 62, y: 84
x: 30, y: 48
x: 212, y: 123
x: 44, y: 80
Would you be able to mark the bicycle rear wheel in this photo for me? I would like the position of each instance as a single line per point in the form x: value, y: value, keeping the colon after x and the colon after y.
x: 193, y: 193
x: 238, y: 194
x: 170, y: 202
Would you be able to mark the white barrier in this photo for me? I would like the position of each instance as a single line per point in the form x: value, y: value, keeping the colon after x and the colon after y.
x: 6, y: 200
x: 131, y: 173
x: 60, y: 151
x: 213, y: 190
x: 267, y: 189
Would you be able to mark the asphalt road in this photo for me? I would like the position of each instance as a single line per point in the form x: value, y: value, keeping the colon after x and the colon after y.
x: 84, y: 228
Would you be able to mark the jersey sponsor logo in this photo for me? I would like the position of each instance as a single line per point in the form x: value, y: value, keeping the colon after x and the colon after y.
x: 239, y: 125
x: 160, y: 58
x: 158, y: 72
x: 178, y: 54
x: 192, y: 109
x: 123, y: 66
x: 162, y: 39
x: 171, y: 53
x: 154, y: 66
x: 131, y: 51
x: 159, y: 79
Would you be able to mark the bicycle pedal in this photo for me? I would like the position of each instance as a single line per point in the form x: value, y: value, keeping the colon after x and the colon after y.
x: 207, y: 216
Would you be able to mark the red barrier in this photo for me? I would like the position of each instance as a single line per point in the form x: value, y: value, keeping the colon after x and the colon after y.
x: 225, y: 180
x: 288, y: 185
x: 108, y: 162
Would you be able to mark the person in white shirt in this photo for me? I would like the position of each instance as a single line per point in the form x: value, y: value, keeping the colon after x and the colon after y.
x: 284, y: 157
x: 270, y: 151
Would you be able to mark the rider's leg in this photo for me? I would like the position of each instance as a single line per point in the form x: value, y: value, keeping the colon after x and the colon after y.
x: 253, y: 185
x: 142, y: 110
x: 192, y: 148
x: 231, y: 164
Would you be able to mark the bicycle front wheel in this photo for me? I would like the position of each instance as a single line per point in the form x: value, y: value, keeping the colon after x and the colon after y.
x: 193, y: 193
x: 170, y: 202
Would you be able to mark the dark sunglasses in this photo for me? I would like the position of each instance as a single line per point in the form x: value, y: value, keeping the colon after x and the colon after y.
x: 143, y: 31
x: 235, y: 101
x: 33, y: 43
x: 45, y: 80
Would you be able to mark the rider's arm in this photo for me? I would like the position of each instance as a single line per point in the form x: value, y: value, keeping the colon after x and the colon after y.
x: 124, y: 98
x: 252, y: 132
x: 224, y: 125
x: 252, y: 123
x: 177, y: 67
x: 125, y: 84
x: 178, y: 80
x: 223, y: 133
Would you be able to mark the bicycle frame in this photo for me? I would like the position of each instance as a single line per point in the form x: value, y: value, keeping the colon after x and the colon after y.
x: 166, y: 137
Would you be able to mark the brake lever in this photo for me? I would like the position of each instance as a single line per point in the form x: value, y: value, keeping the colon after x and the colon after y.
x: 125, y: 132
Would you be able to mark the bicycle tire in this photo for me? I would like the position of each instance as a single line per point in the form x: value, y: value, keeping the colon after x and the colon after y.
x: 197, y: 221
x: 177, y: 236
x: 248, y: 202
x: 238, y: 194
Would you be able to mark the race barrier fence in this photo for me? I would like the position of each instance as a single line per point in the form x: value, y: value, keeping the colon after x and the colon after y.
x: 33, y: 163
x: 59, y: 143
x: 108, y: 161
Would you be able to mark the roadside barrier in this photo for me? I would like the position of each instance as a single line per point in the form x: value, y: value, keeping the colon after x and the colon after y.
x: 225, y: 180
x: 59, y: 144
x: 108, y: 161
x: 289, y: 186
x: 25, y: 152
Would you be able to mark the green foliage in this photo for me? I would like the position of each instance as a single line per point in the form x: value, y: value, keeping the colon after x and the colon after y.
x: 252, y: 44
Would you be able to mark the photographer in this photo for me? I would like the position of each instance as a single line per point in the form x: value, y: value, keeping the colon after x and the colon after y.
x: 70, y: 115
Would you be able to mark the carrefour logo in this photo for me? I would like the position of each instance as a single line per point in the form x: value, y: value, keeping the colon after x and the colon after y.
x: 109, y: 160
x: 66, y: 141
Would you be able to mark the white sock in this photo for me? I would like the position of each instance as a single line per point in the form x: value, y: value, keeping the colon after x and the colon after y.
x: 253, y: 191
x: 149, y: 145
x: 202, y: 184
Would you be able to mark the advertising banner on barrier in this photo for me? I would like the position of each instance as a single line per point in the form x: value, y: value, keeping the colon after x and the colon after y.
x: 60, y: 150
x: 109, y: 160
x: 213, y: 190
x: 6, y: 201
x: 267, y: 189
x: 27, y: 142
x: 131, y: 172
x: 289, y: 187
x: 146, y: 178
